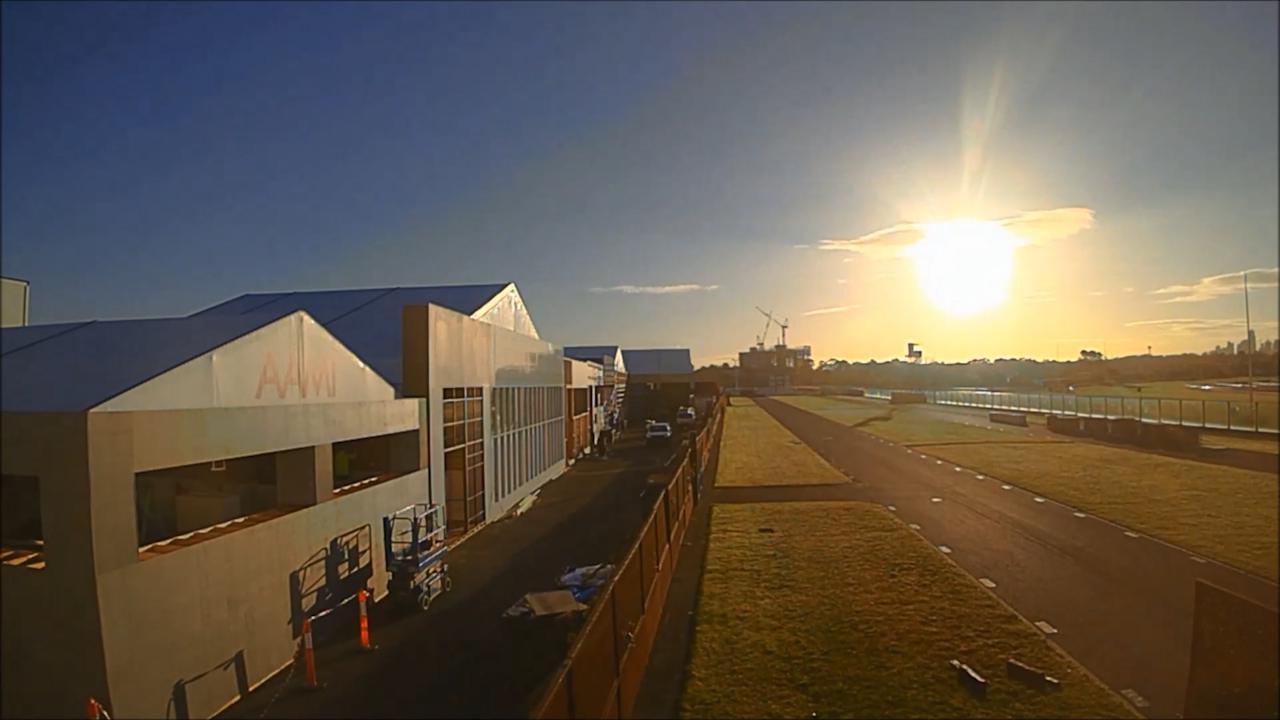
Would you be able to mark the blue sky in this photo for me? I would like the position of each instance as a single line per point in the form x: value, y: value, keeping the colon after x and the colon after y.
x: 160, y: 158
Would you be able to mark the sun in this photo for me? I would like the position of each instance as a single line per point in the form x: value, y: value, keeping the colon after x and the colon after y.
x: 964, y: 266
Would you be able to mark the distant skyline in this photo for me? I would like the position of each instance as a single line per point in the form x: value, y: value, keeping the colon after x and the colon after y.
x: 648, y: 174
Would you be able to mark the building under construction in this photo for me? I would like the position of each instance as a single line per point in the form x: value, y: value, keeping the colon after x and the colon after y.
x: 775, y: 367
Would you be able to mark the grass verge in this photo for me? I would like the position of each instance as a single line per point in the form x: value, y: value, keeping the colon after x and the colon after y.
x: 844, y: 612
x: 1224, y: 513
x: 758, y: 450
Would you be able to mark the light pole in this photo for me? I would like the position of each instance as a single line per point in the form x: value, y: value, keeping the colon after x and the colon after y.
x: 1248, y: 339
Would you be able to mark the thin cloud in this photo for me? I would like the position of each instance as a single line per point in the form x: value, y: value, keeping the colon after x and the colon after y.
x: 1216, y: 286
x: 1199, y: 325
x: 1128, y: 289
x: 655, y: 289
x: 1033, y: 227
x: 1096, y: 293
x: 830, y: 310
x: 1039, y: 296
x: 841, y: 281
x: 800, y: 246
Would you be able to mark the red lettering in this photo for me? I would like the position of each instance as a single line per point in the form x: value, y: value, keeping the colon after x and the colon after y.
x: 321, y: 377
x: 290, y: 378
x: 268, y: 374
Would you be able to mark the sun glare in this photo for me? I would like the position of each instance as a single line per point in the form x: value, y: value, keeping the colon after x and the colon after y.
x: 964, y: 266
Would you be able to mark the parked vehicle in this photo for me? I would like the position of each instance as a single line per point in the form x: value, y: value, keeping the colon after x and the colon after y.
x: 658, y: 433
x: 685, y: 416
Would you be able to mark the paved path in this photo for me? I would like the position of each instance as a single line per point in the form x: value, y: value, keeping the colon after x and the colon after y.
x: 459, y: 658
x: 1121, y: 605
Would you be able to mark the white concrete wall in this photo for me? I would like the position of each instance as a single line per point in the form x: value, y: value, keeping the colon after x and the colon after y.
x: 585, y: 374
x: 172, y: 617
x: 463, y: 352
x: 169, y: 438
x: 50, y: 639
x: 14, y: 296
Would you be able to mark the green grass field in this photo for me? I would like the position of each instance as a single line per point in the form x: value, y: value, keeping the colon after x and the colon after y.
x: 851, y: 411
x: 906, y: 424
x: 757, y: 450
x: 842, y: 611
x: 1220, y: 512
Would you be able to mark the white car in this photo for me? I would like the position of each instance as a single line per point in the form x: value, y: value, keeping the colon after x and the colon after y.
x: 685, y: 416
x: 658, y: 433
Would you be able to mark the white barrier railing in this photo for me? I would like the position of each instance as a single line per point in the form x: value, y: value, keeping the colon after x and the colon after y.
x: 1256, y: 416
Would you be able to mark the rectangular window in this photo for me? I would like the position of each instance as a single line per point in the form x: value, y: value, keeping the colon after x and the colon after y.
x: 180, y: 500
x: 21, y: 525
x: 366, y: 461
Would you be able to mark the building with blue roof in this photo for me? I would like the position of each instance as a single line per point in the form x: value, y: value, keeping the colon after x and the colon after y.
x: 193, y: 468
x: 659, y: 382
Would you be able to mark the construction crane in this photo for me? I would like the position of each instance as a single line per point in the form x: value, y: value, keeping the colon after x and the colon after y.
x: 783, y: 327
x: 768, y: 318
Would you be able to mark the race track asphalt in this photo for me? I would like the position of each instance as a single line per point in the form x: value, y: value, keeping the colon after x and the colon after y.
x: 1121, y: 604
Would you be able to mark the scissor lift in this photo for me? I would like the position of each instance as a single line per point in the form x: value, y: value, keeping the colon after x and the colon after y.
x: 413, y: 537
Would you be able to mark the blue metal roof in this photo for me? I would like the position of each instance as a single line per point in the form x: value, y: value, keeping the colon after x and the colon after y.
x: 74, y: 367
x: 18, y: 337
x: 593, y: 353
x: 328, y: 305
x: 658, y: 361
x: 368, y: 321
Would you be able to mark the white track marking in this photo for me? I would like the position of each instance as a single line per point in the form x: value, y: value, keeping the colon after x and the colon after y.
x: 1046, y: 628
x: 982, y: 477
x: 959, y: 469
x: 1197, y: 559
x: 892, y: 508
x: 935, y: 499
x: 1006, y: 487
x: 1133, y: 697
x: 913, y: 526
x: 1131, y: 533
x: 1039, y: 499
x: 987, y: 582
x: 1079, y: 514
x: 945, y: 549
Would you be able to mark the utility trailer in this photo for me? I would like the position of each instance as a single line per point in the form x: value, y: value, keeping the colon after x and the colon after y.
x: 413, y: 538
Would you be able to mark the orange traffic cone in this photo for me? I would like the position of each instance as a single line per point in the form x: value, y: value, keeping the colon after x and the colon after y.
x: 364, y: 620
x: 309, y: 654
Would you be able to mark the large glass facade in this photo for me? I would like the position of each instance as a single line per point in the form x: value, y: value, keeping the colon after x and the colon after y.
x: 463, y: 424
x: 528, y: 429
